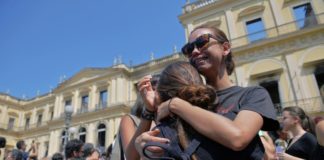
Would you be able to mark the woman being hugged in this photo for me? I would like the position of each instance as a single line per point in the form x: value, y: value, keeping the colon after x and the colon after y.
x: 241, y: 112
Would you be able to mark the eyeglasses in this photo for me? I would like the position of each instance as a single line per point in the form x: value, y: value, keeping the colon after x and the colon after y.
x: 201, y: 43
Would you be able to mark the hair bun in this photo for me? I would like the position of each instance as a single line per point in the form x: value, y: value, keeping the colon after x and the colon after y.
x: 199, y: 95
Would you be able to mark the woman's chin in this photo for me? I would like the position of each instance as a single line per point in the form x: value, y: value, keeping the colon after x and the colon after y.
x: 202, y: 67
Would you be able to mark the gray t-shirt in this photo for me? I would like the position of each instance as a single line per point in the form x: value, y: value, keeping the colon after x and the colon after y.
x: 256, y: 98
x: 230, y: 102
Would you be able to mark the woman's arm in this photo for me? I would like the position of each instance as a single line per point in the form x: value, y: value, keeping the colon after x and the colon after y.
x: 127, y: 131
x: 146, y: 91
x: 140, y: 137
x: 235, y: 134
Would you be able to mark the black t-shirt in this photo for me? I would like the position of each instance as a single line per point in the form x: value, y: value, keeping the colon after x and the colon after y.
x: 318, y: 153
x: 303, y: 147
x: 235, y: 99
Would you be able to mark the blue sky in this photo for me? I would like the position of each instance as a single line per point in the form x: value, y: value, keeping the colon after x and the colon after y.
x: 42, y: 40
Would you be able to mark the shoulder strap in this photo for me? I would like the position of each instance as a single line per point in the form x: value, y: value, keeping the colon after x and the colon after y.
x: 135, y: 119
x: 173, y: 149
x: 121, y: 147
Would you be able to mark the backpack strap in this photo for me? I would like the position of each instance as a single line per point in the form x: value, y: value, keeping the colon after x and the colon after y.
x: 157, y: 144
x: 193, y: 146
x: 173, y: 149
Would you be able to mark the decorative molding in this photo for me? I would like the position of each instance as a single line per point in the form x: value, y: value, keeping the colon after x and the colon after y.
x: 250, y: 10
x: 278, y: 48
x: 312, y: 55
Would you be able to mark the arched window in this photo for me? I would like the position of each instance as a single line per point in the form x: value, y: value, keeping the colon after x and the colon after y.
x: 101, y: 136
x: 319, y: 76
x: 82, y: 134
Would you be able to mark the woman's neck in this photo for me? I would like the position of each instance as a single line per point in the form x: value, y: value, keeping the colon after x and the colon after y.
x: 220, y: 82
x: 297, y: 131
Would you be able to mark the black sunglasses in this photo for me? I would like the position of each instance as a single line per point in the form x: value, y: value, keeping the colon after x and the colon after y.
x: 201, y: 42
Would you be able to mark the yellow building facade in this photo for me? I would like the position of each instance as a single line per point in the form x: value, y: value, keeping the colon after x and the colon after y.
x: 278, y: 44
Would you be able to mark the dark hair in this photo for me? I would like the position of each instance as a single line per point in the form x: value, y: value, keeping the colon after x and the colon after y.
x: 57, y: 156
x: 137, y: 109
x: 20, y: 143
x: 182, y: 80
x: 71, y: 146
x: 108, y: 151
x: 221, y: 38
x: 305, y: 121
x: 16, y: 154
x: 88, y: 149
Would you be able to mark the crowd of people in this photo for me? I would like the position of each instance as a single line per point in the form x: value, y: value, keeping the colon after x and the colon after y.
x: 192, y: 110
x: 74, y: 149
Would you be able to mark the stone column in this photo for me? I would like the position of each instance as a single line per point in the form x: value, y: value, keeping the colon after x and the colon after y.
x: 110, y: 131
x: 54, y: 142
x: 93, y: 97
x: 76, y: 101
x: 113, y: 91
x: 230, y: 24
x: 58, y: 106
x: 91, y: 133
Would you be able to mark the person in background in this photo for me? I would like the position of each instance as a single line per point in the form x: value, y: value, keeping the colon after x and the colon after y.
x: 57, y: 156
x: 73, y: 149
x: 129, y: 124
x: 108, y: 152
x: 15, y: 154
x: 302, y: 142
x: 21, y: 145
x: 241, y: 111
x: 33, y: 151
x: 89, y: 152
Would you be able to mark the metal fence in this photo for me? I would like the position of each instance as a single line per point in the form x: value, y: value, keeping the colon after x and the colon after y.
x: 297, y: 25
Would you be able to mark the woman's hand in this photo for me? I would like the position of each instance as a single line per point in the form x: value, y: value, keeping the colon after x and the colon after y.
x: 164, y: 109
x: 145, y: 88
x: 147, y: 137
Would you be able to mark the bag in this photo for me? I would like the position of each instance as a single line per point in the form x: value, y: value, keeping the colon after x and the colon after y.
x: 117, y: 152
x: 172, y: 150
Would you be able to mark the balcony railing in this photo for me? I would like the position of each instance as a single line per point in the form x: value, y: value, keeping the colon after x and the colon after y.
x: 309, y: 105
x: 276, y: 31
x: 84, y: 108
x: 16, y: 128
x: 101, y: 105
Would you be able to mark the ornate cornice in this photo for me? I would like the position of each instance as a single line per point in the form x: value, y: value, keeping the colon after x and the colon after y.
x: 277, y: 46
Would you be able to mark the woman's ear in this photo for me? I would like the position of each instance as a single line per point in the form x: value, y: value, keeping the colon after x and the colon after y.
x: 226, y: 48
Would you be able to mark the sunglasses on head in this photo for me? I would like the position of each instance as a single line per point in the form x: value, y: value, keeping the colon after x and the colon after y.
x: 200, y: 43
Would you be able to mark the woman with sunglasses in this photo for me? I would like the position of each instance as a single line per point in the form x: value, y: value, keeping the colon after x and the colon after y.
x: 241, y: 112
